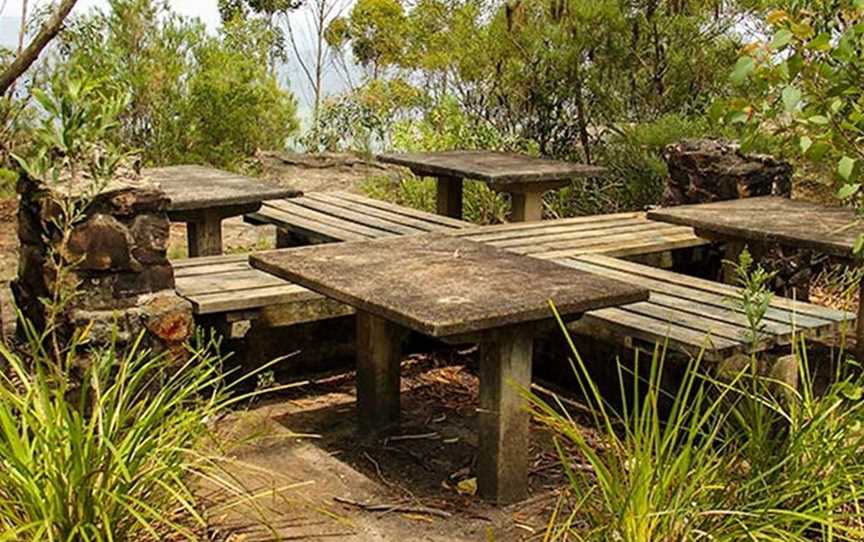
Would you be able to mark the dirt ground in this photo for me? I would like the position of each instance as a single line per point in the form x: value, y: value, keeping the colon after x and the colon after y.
x: 416, y: 484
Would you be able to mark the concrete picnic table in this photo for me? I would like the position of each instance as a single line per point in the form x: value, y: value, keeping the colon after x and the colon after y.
x: 794, y: 223
x: 202, y: 197
x: 458, y: 291
x: 525, y: 178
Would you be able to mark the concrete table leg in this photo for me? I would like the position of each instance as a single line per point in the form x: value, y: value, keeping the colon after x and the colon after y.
x: 503, y: 421
x: 204, y: 235
x: 379, y: 355
x: 450, y: 196
x: 527, y: 206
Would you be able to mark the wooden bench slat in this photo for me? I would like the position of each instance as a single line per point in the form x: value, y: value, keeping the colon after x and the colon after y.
x: 699, y: 324
x: 817, y: 311
x: 718, y: 300
x: 493, y: 234
x: 584, y: 239
x: 208, y: 260
x: 423, y: 222
x: 399, y: 209
x: 636, y: 248
x: 519, y: 226
x: 270, y: 214
x: 716, y: 313
x: 343, y: 214
x: 624, y: 246
x: 260, y: 297
x: 205, y: 270
x: 298, y: 211
x: 619, y: 325
x: 566, y: 233
x: 246, y: 280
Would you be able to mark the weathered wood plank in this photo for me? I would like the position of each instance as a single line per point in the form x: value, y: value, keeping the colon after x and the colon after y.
x: 246, y: 280
x: 809, y: 309
x: 260, y: 297
x: 718, y: 300
x: 341, y: 213
x: 208, y: 260
x: 564, y: 241
x: 489, y: 233
x: 635, y: 331
x: 426, y: 224
x: 212, y: 269
x: 287, y: 220
x: 633, y: 245
x: 295, y: 211
x: 399, y: 209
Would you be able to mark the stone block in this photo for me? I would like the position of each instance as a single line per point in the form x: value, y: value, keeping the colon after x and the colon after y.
x: 704, y: 170
x: 151, y: 233
x: 101, y: 243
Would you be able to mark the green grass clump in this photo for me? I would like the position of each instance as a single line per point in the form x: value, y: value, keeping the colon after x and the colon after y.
x: 108, y: 456
x: 713, y: 460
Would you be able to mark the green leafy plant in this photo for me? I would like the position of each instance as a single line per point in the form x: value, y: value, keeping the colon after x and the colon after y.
x: 755, y: 295
x: 803, y: 83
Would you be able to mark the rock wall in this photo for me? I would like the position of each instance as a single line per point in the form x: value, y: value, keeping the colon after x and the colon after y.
x: 114, y: 257
x: 705, y: 170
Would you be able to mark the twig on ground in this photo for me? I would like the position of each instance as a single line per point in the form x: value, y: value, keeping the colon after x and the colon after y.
x: 395, y: 507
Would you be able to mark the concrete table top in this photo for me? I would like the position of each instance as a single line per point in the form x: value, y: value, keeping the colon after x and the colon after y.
x: 198, y: 187
x: 443, y: 286
x: 832, y: 230
x: 495, y: 168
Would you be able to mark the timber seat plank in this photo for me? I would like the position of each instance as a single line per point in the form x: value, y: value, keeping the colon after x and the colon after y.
x: 618, y: 235
x: 696, y: 315
x: 340, y: 216
x: 228, y: 284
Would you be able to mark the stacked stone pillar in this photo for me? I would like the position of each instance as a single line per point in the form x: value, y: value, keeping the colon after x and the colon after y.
x: 115, y: 257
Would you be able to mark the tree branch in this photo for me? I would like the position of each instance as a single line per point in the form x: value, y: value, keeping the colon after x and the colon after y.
x: 29, y: 55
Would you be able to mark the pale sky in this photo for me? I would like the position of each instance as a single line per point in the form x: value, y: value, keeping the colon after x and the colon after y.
x: 206, y: 10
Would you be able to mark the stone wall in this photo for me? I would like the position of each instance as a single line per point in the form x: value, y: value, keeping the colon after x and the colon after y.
x: 115, y: 257
x: 705, y: 170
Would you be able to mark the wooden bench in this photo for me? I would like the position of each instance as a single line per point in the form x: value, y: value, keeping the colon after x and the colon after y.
x: 228, y: 287
x: 693, y: 314
x: 622, y: 235
x: 696, y: 315
x: 341, y: 216
x: 330, y: 217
